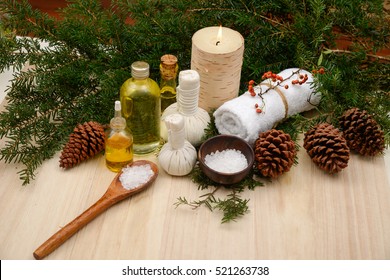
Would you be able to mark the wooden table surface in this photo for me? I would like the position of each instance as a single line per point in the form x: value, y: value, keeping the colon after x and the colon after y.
x: 305, y: 214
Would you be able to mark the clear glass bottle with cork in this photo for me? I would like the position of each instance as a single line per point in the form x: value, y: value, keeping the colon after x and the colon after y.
x: 141, y: 107
x: 118, y: 142
x: 168, y: 72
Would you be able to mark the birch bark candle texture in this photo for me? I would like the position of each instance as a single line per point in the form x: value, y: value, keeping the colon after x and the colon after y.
x: 217, y: 54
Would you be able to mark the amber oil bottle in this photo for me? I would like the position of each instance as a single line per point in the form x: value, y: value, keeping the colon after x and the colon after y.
x: 119, y: 142
x: 168, y: 72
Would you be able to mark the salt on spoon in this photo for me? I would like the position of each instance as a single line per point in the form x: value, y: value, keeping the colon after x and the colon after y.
x: 134, y: 176
x: 115, y: 193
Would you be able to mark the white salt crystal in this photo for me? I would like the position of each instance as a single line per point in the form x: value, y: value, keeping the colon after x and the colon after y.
x: 226, y: 161
x: 134, y: 176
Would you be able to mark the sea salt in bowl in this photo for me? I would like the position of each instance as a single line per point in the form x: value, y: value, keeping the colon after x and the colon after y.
x: 221, y: 159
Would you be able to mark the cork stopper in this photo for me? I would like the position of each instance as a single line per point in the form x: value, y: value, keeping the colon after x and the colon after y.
x: 140, y: 70
x: 168, y: 66
x: 169, y: 59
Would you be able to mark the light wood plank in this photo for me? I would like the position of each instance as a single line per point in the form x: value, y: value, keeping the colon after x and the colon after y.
x: 305, y: 214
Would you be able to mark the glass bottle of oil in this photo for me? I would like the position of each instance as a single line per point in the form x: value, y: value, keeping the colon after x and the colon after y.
x: 168, y: 73
x: 118, y: 143
x: 141, y: 107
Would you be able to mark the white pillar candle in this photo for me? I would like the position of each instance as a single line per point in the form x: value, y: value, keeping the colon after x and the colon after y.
x: 217, y: 54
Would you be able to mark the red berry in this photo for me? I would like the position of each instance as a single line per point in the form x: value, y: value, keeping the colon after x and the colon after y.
x: 256, y: 105
x: 258, y: 110
x: 286, y: 86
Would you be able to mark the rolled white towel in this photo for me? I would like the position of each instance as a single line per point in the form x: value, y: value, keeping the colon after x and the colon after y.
x: 239, y: 117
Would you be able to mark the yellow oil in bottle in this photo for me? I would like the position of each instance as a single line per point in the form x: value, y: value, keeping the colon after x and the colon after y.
x: 141, y: 107
x: 168, y: 97
x: 118, y: 142
x: 168, y: 72
x: 119, y: 152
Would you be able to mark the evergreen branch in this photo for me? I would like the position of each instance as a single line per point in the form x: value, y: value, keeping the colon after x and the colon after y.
x: 210, y: 10
x: 91, y: 50
x: 47, y: 114
x: 232, y: 206
x: 207, y: 199
x: 339, y: 51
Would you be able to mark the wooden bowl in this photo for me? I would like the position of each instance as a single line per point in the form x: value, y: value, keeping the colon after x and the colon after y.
x: 220, y: 143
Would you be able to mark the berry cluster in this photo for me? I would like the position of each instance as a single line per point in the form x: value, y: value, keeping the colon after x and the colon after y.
x: 274, y: 77
x: 250, y: 88
x: 277, y: 79
x: 319, y: 71
x: 302, y: 79
x: 258, y: 108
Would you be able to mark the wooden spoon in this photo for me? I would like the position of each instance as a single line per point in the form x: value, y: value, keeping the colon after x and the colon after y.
x: 115, y: 193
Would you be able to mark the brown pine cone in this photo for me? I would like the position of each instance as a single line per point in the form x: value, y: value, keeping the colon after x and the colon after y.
x: 274, y: 153
x: 86, y: 141
x: 327, y: 147
x: 362, y: 132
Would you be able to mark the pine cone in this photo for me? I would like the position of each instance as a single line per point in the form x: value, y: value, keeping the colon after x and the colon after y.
x: 86, y: 141
x: 274, y: 153
x: 327, y: 147
x: 362, y: 132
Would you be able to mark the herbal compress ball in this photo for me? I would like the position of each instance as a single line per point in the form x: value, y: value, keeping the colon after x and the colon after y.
x: 362, y: 132
x: 274, y: 153
x: 327, y: 147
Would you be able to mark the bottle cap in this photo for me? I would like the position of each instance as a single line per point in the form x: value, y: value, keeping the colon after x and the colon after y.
x: 117, y: 105
x: 117, y: 122
x: 140, y: 70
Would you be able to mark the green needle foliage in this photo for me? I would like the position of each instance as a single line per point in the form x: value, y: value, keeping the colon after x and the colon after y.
x: 88, y: 52
x: 232, y: 205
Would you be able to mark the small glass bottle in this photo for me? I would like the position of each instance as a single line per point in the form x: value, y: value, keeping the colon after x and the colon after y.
x: 168, y: 72
x: 141, y: 107
x: 118, y: 143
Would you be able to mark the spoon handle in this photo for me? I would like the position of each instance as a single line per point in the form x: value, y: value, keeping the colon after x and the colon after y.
x: 71, y: 228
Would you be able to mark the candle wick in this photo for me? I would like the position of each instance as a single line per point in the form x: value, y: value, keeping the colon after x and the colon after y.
x: 218, y: 42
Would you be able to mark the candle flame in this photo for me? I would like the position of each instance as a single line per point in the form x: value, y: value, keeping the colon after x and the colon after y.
x: 219, y: 35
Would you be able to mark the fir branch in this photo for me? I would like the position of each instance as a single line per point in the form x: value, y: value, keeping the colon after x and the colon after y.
x: 339, y: 51
x: 211, y: 129
x: 207, y: 199
x: 232, y: 205
x: 91, y: 49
